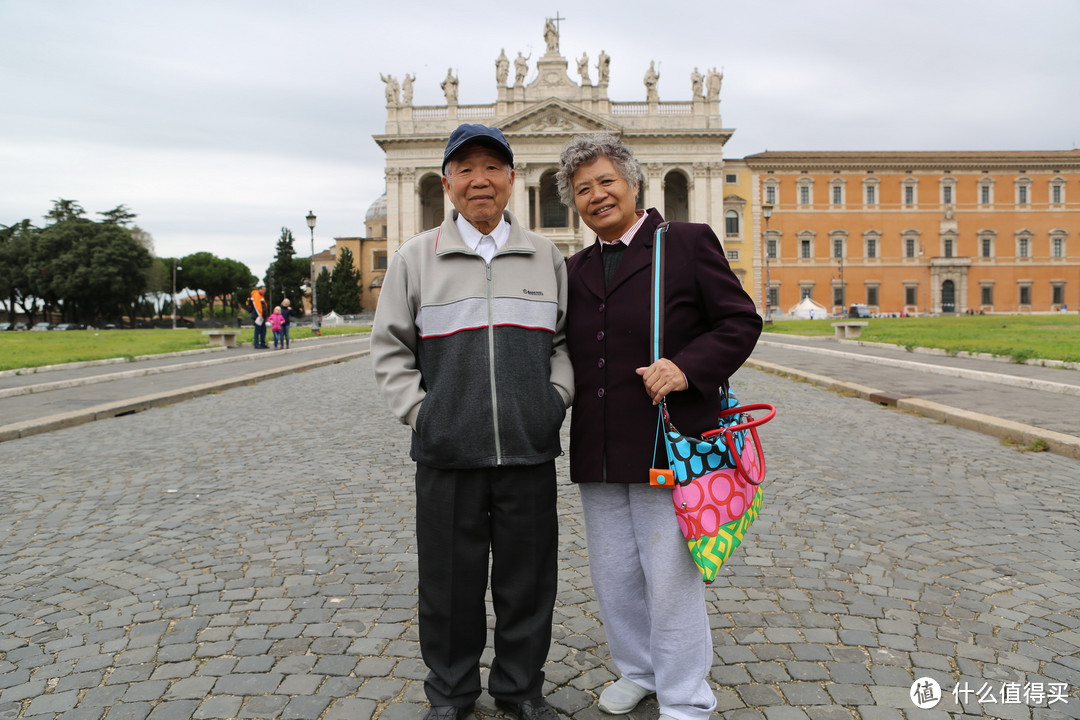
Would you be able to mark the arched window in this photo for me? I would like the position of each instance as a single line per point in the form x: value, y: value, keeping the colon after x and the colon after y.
x: 676, y: 197
x: 553, y: 214
x: 731, y: 223
x: 432, y: 209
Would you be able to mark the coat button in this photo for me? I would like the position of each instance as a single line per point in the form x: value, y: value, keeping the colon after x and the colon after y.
x: 602, y: 306
x: 600, y: 363
x: 600, y: 392
x: 600, y: 335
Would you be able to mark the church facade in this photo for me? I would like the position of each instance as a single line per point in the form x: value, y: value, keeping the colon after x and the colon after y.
x: 680, y: 145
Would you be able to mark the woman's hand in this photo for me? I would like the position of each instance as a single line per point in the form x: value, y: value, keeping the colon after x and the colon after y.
x: 661, y: 378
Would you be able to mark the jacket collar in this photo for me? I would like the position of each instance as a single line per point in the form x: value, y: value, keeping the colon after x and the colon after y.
x: 450, y: 240
x: 638, y: 256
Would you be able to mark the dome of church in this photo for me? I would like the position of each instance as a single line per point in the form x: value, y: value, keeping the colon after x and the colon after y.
x: 377, y: 209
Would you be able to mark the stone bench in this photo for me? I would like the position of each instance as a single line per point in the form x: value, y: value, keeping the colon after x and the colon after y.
x: 848, y: 329
x: 222, y: 337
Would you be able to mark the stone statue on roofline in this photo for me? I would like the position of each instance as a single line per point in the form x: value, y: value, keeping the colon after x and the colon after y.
x: 652, y: 77
x: 603, y: 64
x: 407, y: 89
x: 695, y: 85
x: 713, y: 83
x: 450, y: 87
x: 502, y: 69
x: 521, y: 69
x: 583, y: 69
x: 392, y: 88
x: 551, y: 36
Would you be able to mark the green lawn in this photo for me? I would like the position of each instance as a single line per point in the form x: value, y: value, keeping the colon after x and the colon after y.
x: 34, y: 349
x: 1052, y: 337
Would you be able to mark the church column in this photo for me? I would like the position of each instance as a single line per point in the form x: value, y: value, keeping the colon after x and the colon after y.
x: 716, y: 196
x: 394, y: 212
x: 519, y: 200
x: 699, y: 206
x: 410, y: 203
x: 654, y: 186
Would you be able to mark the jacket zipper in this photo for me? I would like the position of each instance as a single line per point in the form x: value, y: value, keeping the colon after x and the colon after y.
x: 491, y: 366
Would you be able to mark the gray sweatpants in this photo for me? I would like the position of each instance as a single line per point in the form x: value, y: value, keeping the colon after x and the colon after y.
x: 651, y: 595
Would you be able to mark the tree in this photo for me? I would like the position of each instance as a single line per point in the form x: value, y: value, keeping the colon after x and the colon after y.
x: 64, y: 210
x: 90, y: 270
x: 283, y: 280
x: 15, y: 242
x: 119, y: 215
x: 345, y: 285
x: 323, y: 292
x: 214, y: 276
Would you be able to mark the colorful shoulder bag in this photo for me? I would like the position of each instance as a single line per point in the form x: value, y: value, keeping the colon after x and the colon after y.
x: 716, y: 478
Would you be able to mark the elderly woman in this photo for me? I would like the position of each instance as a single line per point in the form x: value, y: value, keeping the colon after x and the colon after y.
x: 651, y: 595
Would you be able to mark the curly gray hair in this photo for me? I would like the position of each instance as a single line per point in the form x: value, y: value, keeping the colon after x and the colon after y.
x: 583, y: 149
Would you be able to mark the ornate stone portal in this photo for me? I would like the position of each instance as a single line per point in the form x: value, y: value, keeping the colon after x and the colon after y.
x: 680, y: 143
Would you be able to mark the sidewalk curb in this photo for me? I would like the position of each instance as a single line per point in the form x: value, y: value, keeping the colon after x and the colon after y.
x: 133, y: 405
x: 1017, y: 433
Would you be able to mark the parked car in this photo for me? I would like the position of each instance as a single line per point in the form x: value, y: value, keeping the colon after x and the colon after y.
x: 42, y: 326
x: 70, y: 326
x: 859, y: 311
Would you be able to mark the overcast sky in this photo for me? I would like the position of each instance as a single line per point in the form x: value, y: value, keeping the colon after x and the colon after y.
x: 218, y: 122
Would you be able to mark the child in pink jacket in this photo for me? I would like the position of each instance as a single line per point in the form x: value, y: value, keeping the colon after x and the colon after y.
x: 276, y: 320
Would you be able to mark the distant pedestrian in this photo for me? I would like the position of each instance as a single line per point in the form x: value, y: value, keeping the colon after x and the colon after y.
x: 316, y: 324
x: 257, y: 307
x: 286, y: 314
x: 276, y: 319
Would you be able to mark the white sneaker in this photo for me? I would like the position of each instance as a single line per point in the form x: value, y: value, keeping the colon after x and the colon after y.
x: 622, y: 696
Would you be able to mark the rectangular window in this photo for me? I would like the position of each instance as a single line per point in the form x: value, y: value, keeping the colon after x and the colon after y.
x: 805, y: 249
x: 806, y: 292
x: 838, y: 295
x: 871, y: 295
x: 946, y: 194
x: 1025, y: 294
x: 731, y: 178
x: 911, y: 295
x: 1055, y: 194
x: 1022, y: 195
x: 379, y: 260
x: 987, y: 247
x: 1057, y: 247
x: 838, y: 248
x: 909, y: 195
x: 909, y: 247
x: 837, y: 195
x: 731, y: 223
x: 770, y: 194
x: 770, y: 248
x: 774, y: 296
x: 871, y: 249
x: 1022, y: 248
x: 804, y: 194
x: 1057, y: 293
x: 732, y: 254
x: 987, y: 295
x: 984, y: 194
x: 948, y: 247
x: 871, y: 195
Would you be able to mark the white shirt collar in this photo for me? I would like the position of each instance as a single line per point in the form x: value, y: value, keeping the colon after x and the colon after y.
x: 472, y: 236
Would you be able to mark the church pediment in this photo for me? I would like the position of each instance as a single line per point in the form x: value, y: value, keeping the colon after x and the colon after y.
x: 556, y: 116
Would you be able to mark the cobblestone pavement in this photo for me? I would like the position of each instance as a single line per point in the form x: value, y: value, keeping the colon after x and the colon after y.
x: 250, y: 554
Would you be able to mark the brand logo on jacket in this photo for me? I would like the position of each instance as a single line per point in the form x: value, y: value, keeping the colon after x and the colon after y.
x: 532, y: 292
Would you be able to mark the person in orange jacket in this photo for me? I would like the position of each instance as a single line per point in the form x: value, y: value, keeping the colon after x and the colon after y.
x: 257, y: 306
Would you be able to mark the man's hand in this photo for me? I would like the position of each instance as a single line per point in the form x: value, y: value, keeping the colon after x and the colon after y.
x: 661, y: 378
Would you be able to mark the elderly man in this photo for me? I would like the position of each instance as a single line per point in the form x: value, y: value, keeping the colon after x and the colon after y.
x: 469, y: 350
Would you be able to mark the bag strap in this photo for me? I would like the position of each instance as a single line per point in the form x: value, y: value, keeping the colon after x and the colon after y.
x: 657, y: 304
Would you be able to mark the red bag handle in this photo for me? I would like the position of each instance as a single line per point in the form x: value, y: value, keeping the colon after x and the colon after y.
x: 751, y: 425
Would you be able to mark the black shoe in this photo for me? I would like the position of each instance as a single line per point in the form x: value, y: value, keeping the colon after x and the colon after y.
x: 535, y: 709
x: 448, y: 712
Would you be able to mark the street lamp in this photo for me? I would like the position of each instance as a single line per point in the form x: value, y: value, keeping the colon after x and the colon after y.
x: 175, y: 267
x: 314, y: 302
x: 766, y: 212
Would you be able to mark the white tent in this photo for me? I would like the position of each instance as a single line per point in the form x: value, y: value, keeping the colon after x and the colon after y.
x: 808, y: 309
x: 332, y: 318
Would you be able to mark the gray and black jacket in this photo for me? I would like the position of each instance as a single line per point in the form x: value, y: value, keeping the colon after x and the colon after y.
x: 473, y: 356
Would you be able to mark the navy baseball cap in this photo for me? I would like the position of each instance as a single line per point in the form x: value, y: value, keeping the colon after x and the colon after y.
x: 480, y: 134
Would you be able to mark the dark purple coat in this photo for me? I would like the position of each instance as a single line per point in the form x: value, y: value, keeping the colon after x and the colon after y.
x: 711, y: 326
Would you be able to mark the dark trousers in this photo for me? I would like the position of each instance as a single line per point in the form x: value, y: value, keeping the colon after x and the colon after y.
x: 260, y: 335
x: 461, y: 517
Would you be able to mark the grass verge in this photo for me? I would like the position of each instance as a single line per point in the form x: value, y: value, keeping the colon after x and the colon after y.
x: 35, y: 349
x: 1019, y: 337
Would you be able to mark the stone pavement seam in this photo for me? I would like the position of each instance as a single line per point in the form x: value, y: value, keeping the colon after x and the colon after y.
x: 1019, y: 433
x: 124, y: 407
